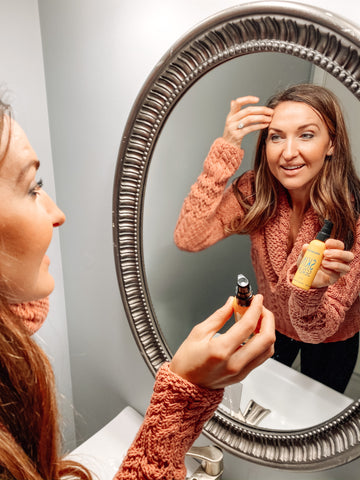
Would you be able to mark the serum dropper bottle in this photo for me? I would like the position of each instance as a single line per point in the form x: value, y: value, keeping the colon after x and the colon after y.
x: 312, y: 258
x: 243, y: 296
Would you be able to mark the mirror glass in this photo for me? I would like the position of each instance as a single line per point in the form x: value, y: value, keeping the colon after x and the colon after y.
x: 187, y: 287
x: 256, y: 48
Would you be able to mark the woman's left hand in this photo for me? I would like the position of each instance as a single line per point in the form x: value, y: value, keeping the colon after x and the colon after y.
x: 335, y: 263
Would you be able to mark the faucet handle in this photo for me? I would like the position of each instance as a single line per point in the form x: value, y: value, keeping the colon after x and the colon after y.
x: 212, y: 462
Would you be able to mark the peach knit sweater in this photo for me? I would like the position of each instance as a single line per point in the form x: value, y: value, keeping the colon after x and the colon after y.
x: 32, y: 314
x: 314, y: 316
x: 174, y: 419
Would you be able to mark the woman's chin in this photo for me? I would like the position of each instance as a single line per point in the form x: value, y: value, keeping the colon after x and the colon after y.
x: 42, y: 291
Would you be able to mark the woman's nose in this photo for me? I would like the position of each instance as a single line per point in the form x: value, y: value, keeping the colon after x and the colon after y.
x: 57, y: 215
x: 60, y: 217
x: 290, y: 149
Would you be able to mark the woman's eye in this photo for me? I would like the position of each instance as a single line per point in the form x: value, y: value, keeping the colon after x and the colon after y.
x: 35, y: 190
x: 307, y: 135
x: 274, y: 137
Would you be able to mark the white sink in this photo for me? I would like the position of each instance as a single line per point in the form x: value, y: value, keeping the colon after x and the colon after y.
x: 104, y: 451
x: 295, y: 401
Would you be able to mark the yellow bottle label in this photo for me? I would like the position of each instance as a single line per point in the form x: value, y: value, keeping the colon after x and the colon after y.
x: 309, y: 265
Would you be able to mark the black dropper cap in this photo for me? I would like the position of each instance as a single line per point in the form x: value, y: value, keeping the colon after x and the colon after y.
x: 325, y: 232
x: 243, y: 290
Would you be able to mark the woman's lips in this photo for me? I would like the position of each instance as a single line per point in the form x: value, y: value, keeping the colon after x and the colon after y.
x: 291, y: 168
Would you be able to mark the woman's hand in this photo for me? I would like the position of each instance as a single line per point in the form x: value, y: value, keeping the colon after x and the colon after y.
x: 217, y: 361
x: 241, y: 121
x: 335, y: 263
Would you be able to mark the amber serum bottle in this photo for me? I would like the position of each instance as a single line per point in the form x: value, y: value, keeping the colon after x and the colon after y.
x: 243, y: 296
x: 312, y: 258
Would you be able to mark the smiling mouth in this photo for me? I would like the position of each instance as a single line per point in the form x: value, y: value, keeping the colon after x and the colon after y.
x: 294, y: 167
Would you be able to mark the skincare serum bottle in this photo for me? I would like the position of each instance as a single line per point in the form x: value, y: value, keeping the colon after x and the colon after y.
x: 243, y: 296
x: 312, y: 258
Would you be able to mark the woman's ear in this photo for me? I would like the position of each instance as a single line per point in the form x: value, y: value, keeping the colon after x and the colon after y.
x: 330, y: 150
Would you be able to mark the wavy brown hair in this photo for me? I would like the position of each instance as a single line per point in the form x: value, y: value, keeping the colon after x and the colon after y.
x: 335, y: 192
x: 30, y: 446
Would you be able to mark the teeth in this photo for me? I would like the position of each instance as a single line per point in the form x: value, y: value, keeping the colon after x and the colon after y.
x: 292, y: 168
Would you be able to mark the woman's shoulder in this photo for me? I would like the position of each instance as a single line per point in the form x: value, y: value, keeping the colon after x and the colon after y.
x: 247, y: 178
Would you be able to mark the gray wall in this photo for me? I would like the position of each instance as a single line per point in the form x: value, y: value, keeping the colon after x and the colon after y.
x: 97, y: 55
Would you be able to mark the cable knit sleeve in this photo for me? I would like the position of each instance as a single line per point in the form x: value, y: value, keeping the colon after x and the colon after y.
x: 209, y: 208
x: 175, y: 417
x: 322, y: 313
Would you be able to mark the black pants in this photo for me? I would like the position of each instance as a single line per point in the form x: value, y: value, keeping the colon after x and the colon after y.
x: 329, y: 363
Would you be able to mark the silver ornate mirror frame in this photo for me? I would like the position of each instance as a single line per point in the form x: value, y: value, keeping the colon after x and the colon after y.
x: 295, y: 29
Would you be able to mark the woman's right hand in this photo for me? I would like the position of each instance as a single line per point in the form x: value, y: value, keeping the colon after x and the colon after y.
x: 251, y: 118
x: 215, y: 361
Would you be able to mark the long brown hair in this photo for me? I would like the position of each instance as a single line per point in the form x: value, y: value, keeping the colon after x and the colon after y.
x: 335, y: 192
x: 30, y: 443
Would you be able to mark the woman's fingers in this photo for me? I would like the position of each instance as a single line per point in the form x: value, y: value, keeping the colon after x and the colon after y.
x: 214, y: 361
x: 339, y: 268
x: 250, y: 355
x: 336, y: 260
x: 216, y: 321
x: 250, y: 116
x: 336, y: 255
x: 243, y: 119
x: 253, y: 362
x: 237, y: 104
x: 257, y: 349
x: 334, y: 243
x: 241, y: 330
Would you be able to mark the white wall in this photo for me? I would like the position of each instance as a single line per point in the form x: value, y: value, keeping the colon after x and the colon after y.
x: 97, y: 56
x: 22, y: 79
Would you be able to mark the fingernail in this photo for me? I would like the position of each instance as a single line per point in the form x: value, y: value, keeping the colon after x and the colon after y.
x: 229, y: 300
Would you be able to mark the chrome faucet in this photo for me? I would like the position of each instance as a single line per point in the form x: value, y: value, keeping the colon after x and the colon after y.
x: 212, y: 462
x: 253, y: 413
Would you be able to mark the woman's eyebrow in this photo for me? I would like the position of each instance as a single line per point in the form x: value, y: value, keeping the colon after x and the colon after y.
x: 28, y: 166
x: 301, y: 127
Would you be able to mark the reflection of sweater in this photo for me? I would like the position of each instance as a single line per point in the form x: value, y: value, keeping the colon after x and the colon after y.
x: 174, y: 419
x: 313, y: 316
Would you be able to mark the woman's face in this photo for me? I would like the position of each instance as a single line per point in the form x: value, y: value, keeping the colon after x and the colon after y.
x: 297, y: 144
x: 27, y: 219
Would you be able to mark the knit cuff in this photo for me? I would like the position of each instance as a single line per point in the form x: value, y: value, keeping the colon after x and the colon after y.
x: 223, y: 160
x: 174, y: 419
x: 181, y: 388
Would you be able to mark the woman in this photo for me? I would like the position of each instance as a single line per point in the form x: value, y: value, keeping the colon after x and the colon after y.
x: 303, y: 173
x: 187, y: 390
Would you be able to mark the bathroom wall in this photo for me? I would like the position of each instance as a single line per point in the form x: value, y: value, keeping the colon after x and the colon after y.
x: 22, y: 81
x: 97, y: 56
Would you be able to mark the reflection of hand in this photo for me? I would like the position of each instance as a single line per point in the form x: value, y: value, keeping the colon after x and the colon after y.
x: 335, y: 263
x: 252, y: 119
x: 217, y: 361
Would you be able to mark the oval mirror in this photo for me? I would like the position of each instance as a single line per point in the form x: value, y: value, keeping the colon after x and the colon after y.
x: 305, y: 44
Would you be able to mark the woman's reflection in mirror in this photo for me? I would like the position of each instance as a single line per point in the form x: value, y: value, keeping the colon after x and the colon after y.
x: 187, y: 390
x: 303, y: 173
